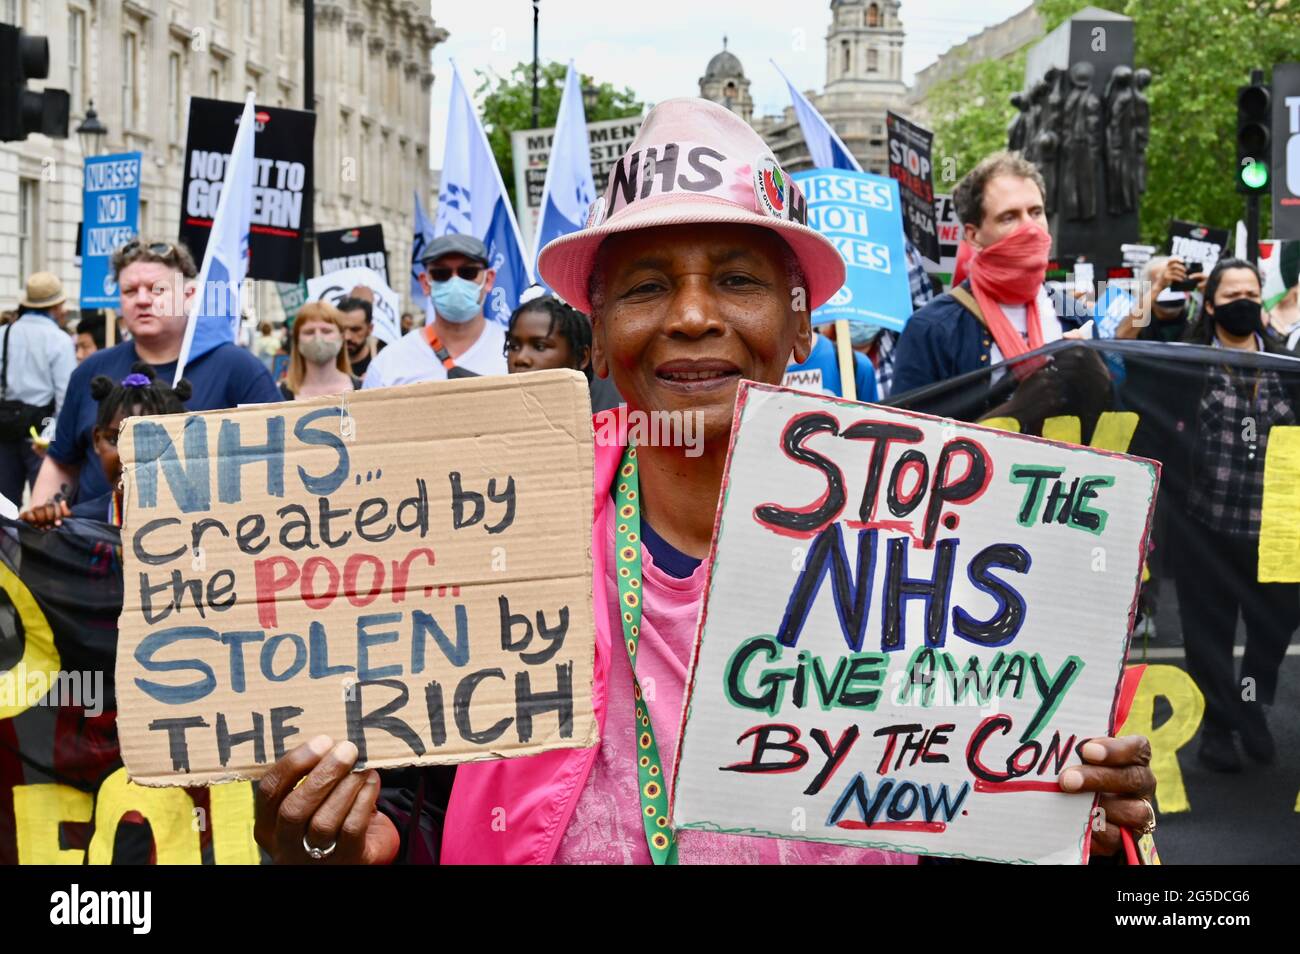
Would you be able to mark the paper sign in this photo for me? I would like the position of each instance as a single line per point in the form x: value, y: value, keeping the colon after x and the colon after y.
x: 409, y: 569
x: 862, y: 216
x: 911, y: 626
x: 338, y: 285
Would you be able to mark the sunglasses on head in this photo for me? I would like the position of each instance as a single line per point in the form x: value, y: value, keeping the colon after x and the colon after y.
x: 442, y: 273
x: 156, y: 248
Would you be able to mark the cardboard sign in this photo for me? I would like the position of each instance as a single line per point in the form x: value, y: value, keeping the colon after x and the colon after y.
x: 911, y: 626
x: 282, y: 183
x: 909, y: 166
x: 407, y: 568
x: 336, y: 286
x: 360, y: 247
x: 861, y: 214
x: 111, y: 216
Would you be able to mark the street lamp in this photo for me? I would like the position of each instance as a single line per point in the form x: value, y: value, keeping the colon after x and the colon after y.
x: 91, y: 132
x: 590, y: 96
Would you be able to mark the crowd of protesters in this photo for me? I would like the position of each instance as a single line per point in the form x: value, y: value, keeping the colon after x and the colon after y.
x: 999, y: 308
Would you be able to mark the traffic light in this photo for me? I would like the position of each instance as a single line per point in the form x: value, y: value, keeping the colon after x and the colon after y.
x: 1254, y: 142
x: 24, y: 111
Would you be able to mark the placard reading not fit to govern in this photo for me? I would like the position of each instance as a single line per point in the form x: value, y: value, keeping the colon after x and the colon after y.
x: 911, y: 626
x: 409, y: 569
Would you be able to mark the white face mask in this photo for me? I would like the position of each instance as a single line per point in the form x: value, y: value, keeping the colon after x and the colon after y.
x: 318, y: 350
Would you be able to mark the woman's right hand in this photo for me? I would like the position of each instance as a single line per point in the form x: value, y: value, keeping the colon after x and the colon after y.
x: 46, y: 515
x: 333, y: 806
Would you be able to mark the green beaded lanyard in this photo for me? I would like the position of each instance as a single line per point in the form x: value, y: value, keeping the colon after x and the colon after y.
x: 649, y: 769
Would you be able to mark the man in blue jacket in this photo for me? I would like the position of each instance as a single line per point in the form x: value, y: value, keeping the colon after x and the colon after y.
x: 1000, y: 197
x: 156, y: 281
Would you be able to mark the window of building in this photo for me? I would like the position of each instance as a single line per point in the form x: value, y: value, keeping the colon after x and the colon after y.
x: 214, y: 84
x: 253, y: 84
x: 848, y: 57
x: 218, y: 76
x: 76, y: 59
x: 386, y: 190
x: 130, y: 77
x: 873, y: 60
x: 367, y: 180
x: 250, y: 17
x: 175, y: 99
x: 27, y: 196
x: 873, y: 15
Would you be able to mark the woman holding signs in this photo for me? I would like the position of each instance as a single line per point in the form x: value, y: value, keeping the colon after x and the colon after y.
x: 700, y: 277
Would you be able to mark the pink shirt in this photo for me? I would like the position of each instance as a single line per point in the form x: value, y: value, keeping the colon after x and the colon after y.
x: 606, y: 827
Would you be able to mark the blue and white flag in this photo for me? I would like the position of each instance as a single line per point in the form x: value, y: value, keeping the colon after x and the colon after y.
x: 569, y: 189
x: 215, y: 314
x: 824, y: 146
x: 419, y: 242
x: 473, y: 200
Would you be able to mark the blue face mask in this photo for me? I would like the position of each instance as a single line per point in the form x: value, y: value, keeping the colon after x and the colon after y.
x: 456, y: 299
x: 861, y: 335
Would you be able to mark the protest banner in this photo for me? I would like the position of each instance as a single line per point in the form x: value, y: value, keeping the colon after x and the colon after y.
x: 948, y: 228
x: 292, y: 297
x: 361, y: 247
x: 1197, y: 243
x: 910, y: 167
x: 860, y: 213
x: 408, y: 568
x: 1286, y: 150
x: 338, y: 285
x: 911, y: 664
x: 281, y: 185
x: 531, y: 152
x: 64, y: 794
x: 110, y: 218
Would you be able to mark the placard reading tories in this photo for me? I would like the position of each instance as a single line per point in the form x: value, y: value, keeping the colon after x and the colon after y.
x: 408, y: 568
x: 911, y: 626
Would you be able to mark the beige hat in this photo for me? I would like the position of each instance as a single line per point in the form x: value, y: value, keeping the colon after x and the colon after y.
x: 44, y: 290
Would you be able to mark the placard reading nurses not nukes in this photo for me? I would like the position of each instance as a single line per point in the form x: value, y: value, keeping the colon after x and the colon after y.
x: 282, y: 182
x: 408, y: 569
x: 911, y: 627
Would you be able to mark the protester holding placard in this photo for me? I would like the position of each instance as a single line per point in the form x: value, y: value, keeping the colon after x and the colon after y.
x: 460, y: 341
x: 1214, y: 441
x: 156, y: 283
x: 689, y: 281
x: 318, y: 362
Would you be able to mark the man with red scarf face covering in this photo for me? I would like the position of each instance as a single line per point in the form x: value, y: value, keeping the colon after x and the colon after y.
x: 1000, y: 203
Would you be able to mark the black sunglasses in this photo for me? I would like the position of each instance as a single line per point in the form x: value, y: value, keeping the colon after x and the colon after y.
x: 442, y: 273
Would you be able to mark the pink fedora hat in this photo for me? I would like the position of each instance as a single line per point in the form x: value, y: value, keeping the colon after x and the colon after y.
x: 694, y: 161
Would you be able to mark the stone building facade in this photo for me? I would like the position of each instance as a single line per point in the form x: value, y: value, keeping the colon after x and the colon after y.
x: 864, y: 78
x: 141, y: 60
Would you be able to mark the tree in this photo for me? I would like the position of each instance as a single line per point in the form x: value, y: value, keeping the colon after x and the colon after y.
x: 509, y: 107
x: 1199, y: 52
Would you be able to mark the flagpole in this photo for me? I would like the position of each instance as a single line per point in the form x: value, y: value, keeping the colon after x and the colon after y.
x: 309, y: 104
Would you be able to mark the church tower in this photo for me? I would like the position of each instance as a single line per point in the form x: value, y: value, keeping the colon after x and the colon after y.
x: 864, y: 47
x: 724, y: 83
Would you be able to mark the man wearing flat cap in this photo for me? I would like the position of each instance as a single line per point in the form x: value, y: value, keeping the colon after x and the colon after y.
x: 36, y: 359
x: 459, y: 342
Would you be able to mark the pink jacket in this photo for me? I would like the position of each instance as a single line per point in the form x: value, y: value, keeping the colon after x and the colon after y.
x: 514, y: 811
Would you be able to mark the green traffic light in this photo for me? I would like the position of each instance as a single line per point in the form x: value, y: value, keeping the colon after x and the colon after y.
x: 1254, y: 174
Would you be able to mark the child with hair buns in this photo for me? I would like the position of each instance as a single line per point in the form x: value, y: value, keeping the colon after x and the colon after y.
x: 139, y: 394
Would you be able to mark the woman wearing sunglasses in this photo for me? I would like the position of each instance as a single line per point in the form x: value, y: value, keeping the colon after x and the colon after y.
x: 459, y: 341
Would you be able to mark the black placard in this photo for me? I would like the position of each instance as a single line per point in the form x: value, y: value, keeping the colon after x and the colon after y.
x: 359, y: 247
x: 282, y: 183
x: 909, y: 164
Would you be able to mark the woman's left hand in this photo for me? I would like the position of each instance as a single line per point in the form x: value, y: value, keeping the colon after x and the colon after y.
x: 1120, y: 769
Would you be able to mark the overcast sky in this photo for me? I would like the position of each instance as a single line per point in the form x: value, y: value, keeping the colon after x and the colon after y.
x: 660, y: 47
